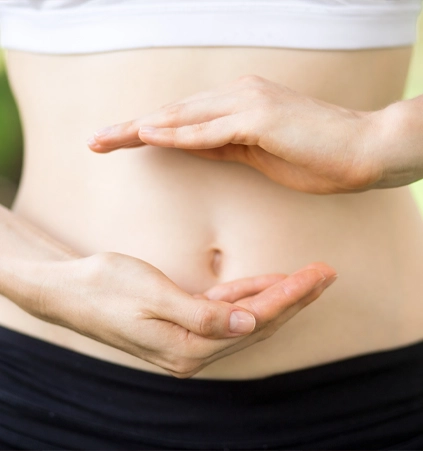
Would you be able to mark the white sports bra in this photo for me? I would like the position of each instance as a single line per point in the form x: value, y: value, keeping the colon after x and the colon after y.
x: 85, y: 26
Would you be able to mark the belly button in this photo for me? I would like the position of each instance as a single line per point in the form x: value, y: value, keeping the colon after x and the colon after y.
x: 216, y: 261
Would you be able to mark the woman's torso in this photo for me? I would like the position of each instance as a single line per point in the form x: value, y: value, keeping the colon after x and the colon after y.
x: 204, y: 222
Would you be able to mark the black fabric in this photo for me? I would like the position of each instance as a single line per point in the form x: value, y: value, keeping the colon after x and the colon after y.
x: 53, y: 398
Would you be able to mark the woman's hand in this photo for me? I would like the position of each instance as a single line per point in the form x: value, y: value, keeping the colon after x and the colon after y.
x: 295, y: 140
x: 130, y: 305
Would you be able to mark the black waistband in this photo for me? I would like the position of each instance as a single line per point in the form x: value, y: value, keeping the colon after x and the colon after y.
x: 373, y: 399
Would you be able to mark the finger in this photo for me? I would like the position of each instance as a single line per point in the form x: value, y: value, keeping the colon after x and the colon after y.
x: 227, y: 347
x: 328, y: 273
x: 195, y: 111
x: 199, y: 107
x: 204, y: 318
x: 206, y: 135
x: 177, y: 115
x: 196, y: 106
x: 312, y: 296
x: 324, y: 268
x: 197, y: 347
x: 238, y: 289
x: 116, y: 136
x: 133, y: 145
x: 100, y: 149
x: 274, y: 301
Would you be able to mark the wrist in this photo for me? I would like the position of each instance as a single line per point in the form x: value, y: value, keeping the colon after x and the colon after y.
x: 395, y: 135
x: 35, y: 286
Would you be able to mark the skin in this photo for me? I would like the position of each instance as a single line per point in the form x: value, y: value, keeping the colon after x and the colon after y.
x: 191, y: 224
x: 51, y: 282
x: 295, y: 140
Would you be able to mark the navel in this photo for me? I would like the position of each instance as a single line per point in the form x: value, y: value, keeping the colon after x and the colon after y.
x: 216, y: 261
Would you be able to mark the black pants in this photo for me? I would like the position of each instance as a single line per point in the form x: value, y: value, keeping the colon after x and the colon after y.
x: 53, y: 398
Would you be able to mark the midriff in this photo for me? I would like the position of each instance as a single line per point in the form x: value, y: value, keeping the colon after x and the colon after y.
x: 204, y: 222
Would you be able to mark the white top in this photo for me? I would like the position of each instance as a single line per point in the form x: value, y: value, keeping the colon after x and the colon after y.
x: 85, y: 26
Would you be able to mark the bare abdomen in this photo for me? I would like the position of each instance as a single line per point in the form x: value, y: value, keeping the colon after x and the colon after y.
x: 203, y: 222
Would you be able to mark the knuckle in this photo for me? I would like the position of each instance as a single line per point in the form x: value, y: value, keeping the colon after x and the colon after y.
x: 250, y: 79
x: 287, y: 292
x: 102, y: 259
x: 193, y: 135
x: 200, y: 128
x: 96, y: 265
x: 204, y: 319
x: 241, y: 136
x: 257, y: 92
x: 176, y: 137
x: 172, y: 112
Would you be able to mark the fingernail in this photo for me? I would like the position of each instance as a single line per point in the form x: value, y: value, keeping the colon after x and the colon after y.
x: 320, y: 282
x: 103, y: 132
x: 328, y: 282
x: 146, y: 130
x: 241, y: 322
x: 91, y: 142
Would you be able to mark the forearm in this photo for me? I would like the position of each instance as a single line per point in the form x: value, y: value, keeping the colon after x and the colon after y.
x: 26, y: 258
x: 21, y: 240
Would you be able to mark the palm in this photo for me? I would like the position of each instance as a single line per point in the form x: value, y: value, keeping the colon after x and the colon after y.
x: 273, y: 167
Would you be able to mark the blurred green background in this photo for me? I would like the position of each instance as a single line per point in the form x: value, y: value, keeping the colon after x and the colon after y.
x: 414, y: 88
x: 11, y: 137
x: 10, y: 132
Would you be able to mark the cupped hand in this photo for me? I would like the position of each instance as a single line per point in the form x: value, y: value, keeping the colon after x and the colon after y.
x: 128, y: 304
x: 295, y: 140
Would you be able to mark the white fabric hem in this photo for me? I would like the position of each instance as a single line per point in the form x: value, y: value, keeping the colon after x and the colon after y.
x: 91, y: 31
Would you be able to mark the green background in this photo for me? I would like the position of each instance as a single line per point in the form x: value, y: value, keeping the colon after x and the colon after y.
x: 11, y: 138
x: 10, y: 132
x: 414, y: 88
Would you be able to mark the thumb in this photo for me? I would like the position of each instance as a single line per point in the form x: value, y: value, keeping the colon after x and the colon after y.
x: 209, y: 319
